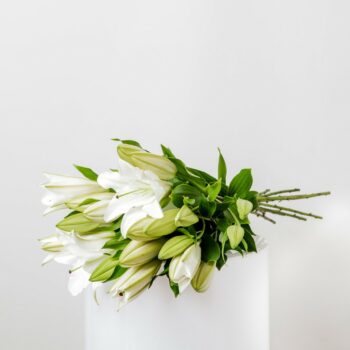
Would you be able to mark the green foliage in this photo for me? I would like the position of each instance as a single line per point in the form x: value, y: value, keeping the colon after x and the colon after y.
x: 241, y: 183
x: 214, y: 190
x: 222, y: 169
x: 128, y: 142
x: 185, y: 191
x: 210, y: 249
x: 206, y: 208
x: 87, y: 172
x: 174, y: 287
x: 116, y: 244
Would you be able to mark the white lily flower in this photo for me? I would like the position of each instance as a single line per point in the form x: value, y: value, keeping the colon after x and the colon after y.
x: 138, y: 193
x: 62, y: 189
x: 183, y: 267
x: 82, y: 255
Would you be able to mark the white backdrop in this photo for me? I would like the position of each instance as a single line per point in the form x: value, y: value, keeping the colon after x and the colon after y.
x: 267, y: 81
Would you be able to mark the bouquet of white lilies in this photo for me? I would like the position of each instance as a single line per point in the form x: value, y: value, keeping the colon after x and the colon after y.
x: 153, y: 217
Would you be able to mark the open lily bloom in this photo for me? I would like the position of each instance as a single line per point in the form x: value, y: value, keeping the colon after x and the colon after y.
x: 61, y: 189
x: 82, y: 255
x: 138, y: 193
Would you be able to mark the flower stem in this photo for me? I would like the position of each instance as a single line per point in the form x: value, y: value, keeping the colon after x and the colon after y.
x: 260, y: 214
x: 292, y: 197
x: 278, y: 212
x: 290, y: 210
x: 282, y: 191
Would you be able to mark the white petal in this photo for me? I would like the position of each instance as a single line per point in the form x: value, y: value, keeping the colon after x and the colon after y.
x: 153, y: 209
x: 122, y: 205
x: 49, y: 210
x: 47, y: 259
x: 130, y: 218
x: 97, y: 210
x: 183, y: 284
x: 109, y: 179
x: 65, y: 258
x: 78, y: 281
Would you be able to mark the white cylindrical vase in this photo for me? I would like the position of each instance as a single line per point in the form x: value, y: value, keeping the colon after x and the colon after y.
x: 232, y: 314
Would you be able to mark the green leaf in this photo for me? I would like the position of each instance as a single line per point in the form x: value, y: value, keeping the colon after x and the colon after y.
x: 88, y: 201
x: 184, y: 190
x: 223, y: 224
x: 214, y: 190
x: 184, y: 175
x: 104, y: 270
x: 129, y: 142
x: 210, y: 249
x: 206, y: 208
x: 222, y: 170
x: 174, y: 287
x: 241, y: 183
x: 167, y: 152
x: 72, y: 213
x: 118, y: 271
x: 186, y: 231
x: 221, y: 261
x: 87, y: 172
x: 249, y: 238
x: 252, y: 197
x: 77, y: 223
x: 116, y: 244
x: 245, y: 245
x: 205, y: 176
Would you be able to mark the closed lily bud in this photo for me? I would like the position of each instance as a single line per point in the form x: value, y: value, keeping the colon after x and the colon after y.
x: 148, y: 228
x: 244, y: 207
x: 174, y: 246
x: 183, y: 267
x: 235, y: 234
x: 77, y: 223
x: 138, y: 157
x: 138, y: 253
x: 185, y: 217
x: 202, y: 278
x: 134, y: 281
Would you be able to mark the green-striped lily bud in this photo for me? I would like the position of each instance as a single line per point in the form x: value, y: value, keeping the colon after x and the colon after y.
x: 174, y: 246
x: 138, y: 157
x: 244, y: 207
x: 185, y: 217
x: 133, y: 282
x: 149, y: 228
x: 202, y: 278
x: 78, y: 223
x: 235, y: 234
x: 138, y: 253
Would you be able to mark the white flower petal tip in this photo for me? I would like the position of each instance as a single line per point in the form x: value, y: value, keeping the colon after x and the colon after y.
x: 78, y: 281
